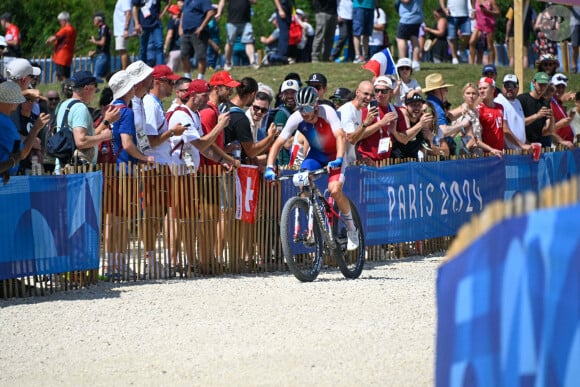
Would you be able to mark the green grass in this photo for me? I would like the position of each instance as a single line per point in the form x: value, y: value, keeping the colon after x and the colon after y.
x: 349, y: 75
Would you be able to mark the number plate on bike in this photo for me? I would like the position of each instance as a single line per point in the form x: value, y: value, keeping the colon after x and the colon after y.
x: 301, y: 179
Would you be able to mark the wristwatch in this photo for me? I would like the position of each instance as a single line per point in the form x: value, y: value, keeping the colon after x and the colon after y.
x: 107, y: 123
x: 171, y: 133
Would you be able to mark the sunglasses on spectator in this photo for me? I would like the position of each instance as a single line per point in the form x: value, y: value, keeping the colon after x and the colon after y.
x: 510, y: 85
x: 405, y: 68
x: 382, y: 91
x: 489, y: 74
x: 549, y: 64
x: 53, y: 98
x: 168, y: 81
x: 306, y: 108
x: 257, y: 109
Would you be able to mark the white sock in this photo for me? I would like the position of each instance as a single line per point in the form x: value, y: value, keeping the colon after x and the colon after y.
x: 199, y: 76
x: 187, y: 75
x: 348, y: 220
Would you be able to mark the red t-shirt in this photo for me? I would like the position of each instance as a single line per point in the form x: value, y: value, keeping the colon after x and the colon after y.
x: 491, y: 119
x: 559, y: 111
x: 64, y: 47
x: 208, y: 116
x: 369, y: 147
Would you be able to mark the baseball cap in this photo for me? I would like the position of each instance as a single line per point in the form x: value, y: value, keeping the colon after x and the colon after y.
x: 100, y: 15
x: 487, y: 80
x: 223, y: 78
x: 541, y: 77
x: 404, y: 62
x: 342, y: 93
x: 196, y: 86
x: 174, y: 9
x: 121, y: 83
x: 163, y: 71
x: 139, y: 71
x: 6, y: 16
x: 19, y: 68
x: 317, y: 78
x: 272, y: 17
x: 511, y: 78
x: 416, y: 97
x: 10, y: 93
x: 383, y: 80
x: 488, y: 68
x: 290, y: 84
x: 559, y: 79
x: 83, y: 78
x: 300, y: 12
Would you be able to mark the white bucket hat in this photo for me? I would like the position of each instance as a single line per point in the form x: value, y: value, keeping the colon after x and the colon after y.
x: 139, y: 71
x: 121, y: 83
x: 10, y: 93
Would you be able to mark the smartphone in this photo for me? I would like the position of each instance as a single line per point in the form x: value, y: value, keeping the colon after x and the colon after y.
x: 279, y: 127
x: 374, y: 103
x: 428, y: 111
x: 16, y: 146
x: 223, y: 108
x: 187, y: 125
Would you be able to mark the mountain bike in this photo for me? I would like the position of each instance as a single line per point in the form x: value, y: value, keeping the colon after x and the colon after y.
x: 312, y: 227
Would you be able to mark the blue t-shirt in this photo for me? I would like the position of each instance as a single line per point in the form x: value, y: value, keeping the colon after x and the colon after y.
x: 441, y: 116
x: 8, y: 134
x: 411, y: 13
x: 193, y: 13
x: 149, y: 8
x: 125, y: 125
x: 368, y: 4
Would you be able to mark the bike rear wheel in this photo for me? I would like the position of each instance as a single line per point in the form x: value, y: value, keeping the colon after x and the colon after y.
x: 351, y: 263
x: 302, y: 252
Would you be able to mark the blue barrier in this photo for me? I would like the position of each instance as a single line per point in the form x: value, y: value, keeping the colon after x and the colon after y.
x: 50, y: 224
x: 507, y: 306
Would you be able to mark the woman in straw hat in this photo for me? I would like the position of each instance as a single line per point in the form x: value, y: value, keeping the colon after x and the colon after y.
x: 436, y: 90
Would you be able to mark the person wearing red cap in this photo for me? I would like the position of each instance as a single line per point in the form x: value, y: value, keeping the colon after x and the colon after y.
x: 493, y: 125
x: 221, y: 88
x: 186, y: 147
x: 171, y: 47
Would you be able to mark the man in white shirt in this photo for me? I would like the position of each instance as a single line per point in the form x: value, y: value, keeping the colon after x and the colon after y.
x: 156, y: 126
x: 187, y: 146
x: 512, y: 108
x: 122, y: 29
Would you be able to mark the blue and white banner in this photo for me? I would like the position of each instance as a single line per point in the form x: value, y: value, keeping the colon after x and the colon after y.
x: 507, y: 306
x: 415, y: 201
x: 50, y: 224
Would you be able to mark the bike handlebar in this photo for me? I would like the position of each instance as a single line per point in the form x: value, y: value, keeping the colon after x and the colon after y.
x: 316, y: 172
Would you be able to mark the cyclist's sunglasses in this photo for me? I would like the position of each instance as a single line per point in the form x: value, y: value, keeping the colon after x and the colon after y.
x: 306, y: 108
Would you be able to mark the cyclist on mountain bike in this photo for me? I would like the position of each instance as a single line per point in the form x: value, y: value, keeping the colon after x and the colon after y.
x: 325, y: 148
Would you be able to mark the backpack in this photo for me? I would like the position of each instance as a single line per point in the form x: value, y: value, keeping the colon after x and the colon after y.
x: 272, y: 114
x: 61, y: 143
x: 294, y: 32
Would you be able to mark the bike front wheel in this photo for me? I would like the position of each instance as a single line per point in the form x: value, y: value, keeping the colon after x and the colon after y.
x: 302, y: 248
x: 351, y: 263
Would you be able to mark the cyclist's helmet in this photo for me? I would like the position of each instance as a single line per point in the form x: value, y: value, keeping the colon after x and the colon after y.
x: 307, y: 96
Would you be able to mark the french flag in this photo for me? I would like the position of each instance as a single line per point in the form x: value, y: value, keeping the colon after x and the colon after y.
x: 382, y: 63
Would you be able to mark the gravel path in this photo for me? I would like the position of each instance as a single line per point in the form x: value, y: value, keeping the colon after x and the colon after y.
x: 245, y: 331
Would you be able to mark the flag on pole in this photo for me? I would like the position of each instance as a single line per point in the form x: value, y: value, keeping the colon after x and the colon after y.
x: 247, y: 189
x: 382, y: 63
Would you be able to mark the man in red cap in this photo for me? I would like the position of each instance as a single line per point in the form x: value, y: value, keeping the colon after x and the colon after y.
x: 156, y: 128
x: 221, y: 88
x: 493, y: 125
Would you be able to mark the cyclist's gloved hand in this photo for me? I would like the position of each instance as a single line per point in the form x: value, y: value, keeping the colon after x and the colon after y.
x: 269, y: 174
x: 335, y: 164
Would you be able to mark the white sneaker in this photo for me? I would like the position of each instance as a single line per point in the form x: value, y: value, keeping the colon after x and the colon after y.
x: 455, y: 61
x: 352, y: 237
x: 416, y: 66
x: 227, y: 67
